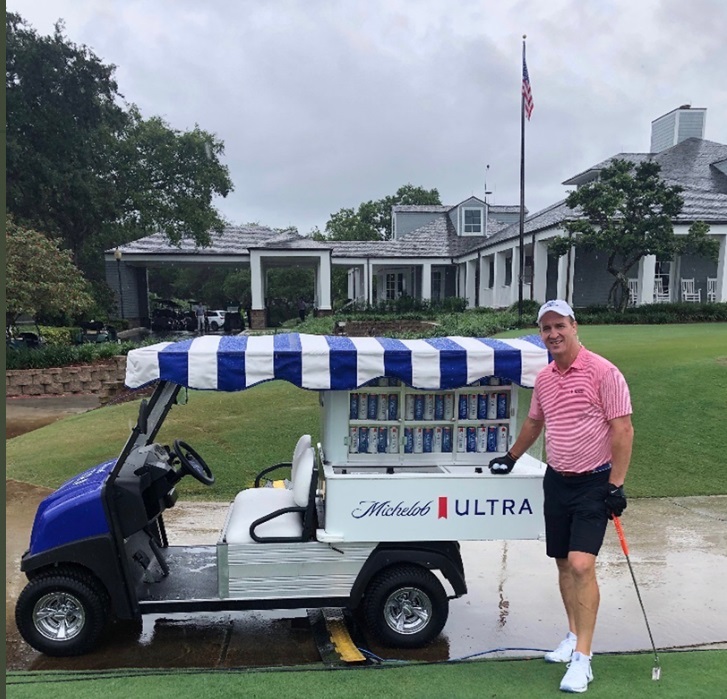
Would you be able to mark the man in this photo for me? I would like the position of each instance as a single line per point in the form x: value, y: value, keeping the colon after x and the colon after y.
x: 199, y: 311
x: 583, y: 402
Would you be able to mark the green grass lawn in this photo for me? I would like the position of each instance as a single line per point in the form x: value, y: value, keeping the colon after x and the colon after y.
x: 689, y: 674
x: 677, y: 375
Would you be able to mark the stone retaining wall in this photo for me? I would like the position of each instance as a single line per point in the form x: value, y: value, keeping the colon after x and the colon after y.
x: 104, y: 378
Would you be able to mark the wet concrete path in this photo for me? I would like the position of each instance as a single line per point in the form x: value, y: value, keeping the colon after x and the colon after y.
x: 678, y: 548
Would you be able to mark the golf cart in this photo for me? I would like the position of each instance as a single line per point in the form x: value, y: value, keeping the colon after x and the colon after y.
x: 371, y: 513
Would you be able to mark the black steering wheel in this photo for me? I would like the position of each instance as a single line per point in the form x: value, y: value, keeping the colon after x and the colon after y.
x: 192, y: 463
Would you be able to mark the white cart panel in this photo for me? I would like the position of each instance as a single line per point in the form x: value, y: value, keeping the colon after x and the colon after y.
x: 433, y: 503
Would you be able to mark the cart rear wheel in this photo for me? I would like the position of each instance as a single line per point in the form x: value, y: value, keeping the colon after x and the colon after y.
x: 405, y: 606
x: 62, y: 613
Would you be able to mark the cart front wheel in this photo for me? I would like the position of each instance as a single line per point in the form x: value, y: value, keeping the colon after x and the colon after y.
x: 61, y: 614
x: 406, y: 606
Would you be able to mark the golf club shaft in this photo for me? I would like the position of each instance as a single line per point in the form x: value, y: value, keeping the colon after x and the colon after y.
x: 625, y: 548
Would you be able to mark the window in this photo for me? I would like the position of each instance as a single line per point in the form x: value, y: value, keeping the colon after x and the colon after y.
x: 394, y: 285
x: 472, y: 222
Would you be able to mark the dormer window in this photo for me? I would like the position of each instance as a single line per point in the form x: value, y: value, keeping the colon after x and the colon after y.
x: 472, y: 221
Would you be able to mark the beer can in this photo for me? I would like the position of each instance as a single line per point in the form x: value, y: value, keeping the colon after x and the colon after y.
x: 481, y: 439
x: 448, y: 406
x: 502, y: 434
x: 418, y: 406
x: 393, y: 440
x: 461, y: 440
x: 383, y: 434
x: 353, y: 440
x: 409, y: 407
x: 428, y: 440
x: 438, y: 406
x: 481, y: 406
x: 437, y: 444
x: 373, y: 407
x: 408, y: 440
x: 447, y: 440
x: 471, y: 439
x: 501, y: 406
x: 472, y: 406
x: 418, y: 440
x: 353, y: 407
x: 383, y: 411
x: 363, y: 403
x: 494, y: 380
x: 491, y: 406
x: 429, y: 406
x: 463, y: 407
x: 373, y: 440
x: 363, y: 440
x: 492, y: 438
x: 393, y: 406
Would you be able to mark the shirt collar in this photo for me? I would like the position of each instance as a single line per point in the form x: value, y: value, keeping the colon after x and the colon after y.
x: 579, y: 362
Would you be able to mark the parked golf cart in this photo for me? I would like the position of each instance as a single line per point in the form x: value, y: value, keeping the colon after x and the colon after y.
x: 372, y: 512
x: 95, y: 331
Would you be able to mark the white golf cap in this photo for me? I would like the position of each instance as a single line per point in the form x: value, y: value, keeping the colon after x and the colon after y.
x: 556, y: 306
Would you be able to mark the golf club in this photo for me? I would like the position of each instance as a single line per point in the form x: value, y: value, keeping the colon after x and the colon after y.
x: 656, y: 670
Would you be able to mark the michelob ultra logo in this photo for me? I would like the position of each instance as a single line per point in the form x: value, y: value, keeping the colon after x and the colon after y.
x: 446, y: 507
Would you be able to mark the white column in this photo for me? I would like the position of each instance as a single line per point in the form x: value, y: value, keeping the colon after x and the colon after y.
x: 512, y: 294
x: 427, y: 281
x: 498, y: 281
x: 565, y: 276
x: 365, y: 271
x: 256, y: 281
x: 540, y: 277
x: 324, y: 282
x: 470, y: 282
x: 647, y: 274
x: 721, y: 289
x: 483, y: 293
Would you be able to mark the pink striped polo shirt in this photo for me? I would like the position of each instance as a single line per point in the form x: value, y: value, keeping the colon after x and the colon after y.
x: 576, y: 406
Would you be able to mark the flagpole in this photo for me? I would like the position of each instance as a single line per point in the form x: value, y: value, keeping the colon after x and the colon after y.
x: 522, y: 197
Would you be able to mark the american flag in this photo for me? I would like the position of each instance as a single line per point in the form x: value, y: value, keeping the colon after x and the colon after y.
x: 527, y: 94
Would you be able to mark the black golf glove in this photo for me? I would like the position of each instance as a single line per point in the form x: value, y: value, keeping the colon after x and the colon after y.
x: 502, y: 464
x: 615, y: 500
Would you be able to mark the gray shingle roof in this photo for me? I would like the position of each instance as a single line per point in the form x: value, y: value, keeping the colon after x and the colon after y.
x: 237, y: 240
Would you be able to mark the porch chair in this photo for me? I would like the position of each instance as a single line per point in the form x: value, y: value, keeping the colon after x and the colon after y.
x: 712, y: 289
x: 633, y: 292
x: 660, y: 294
x: 689, y: 293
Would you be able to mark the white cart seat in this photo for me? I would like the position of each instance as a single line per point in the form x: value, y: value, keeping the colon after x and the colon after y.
x: 254, y: 503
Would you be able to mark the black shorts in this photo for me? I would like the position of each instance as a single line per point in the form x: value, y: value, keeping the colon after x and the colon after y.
x: 575, y: 512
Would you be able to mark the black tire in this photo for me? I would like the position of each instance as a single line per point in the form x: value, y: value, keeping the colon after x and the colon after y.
x: 405, y: 606
x: 61, y: 613
x: 214, y: 326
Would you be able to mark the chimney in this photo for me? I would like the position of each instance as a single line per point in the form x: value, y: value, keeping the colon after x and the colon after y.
x: 676, y: 126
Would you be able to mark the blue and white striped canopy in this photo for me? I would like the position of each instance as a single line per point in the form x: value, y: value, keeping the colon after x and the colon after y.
x: 325, y: 362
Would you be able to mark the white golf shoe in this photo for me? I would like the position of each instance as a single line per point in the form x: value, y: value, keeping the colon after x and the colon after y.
x: 579, y: 674
x: 564, y: 651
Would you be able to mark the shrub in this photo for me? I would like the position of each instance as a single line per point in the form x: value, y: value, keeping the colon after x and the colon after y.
x: 63, y: 355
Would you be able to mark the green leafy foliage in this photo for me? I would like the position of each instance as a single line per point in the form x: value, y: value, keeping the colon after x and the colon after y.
x: 87, y: 169
x: 64, y: 355
x: 628, y: 213
x: 40, y: 277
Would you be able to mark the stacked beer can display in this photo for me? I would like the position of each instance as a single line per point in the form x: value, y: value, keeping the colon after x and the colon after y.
x: 407, y: 421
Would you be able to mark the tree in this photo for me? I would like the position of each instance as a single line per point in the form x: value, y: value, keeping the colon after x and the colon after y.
x: 628, y: 213
x: 89, y: 170
x: 40, y: 277
x: 372, y: 219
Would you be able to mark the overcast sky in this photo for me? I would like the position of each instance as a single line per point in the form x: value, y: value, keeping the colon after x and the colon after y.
x: 323, y: 104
